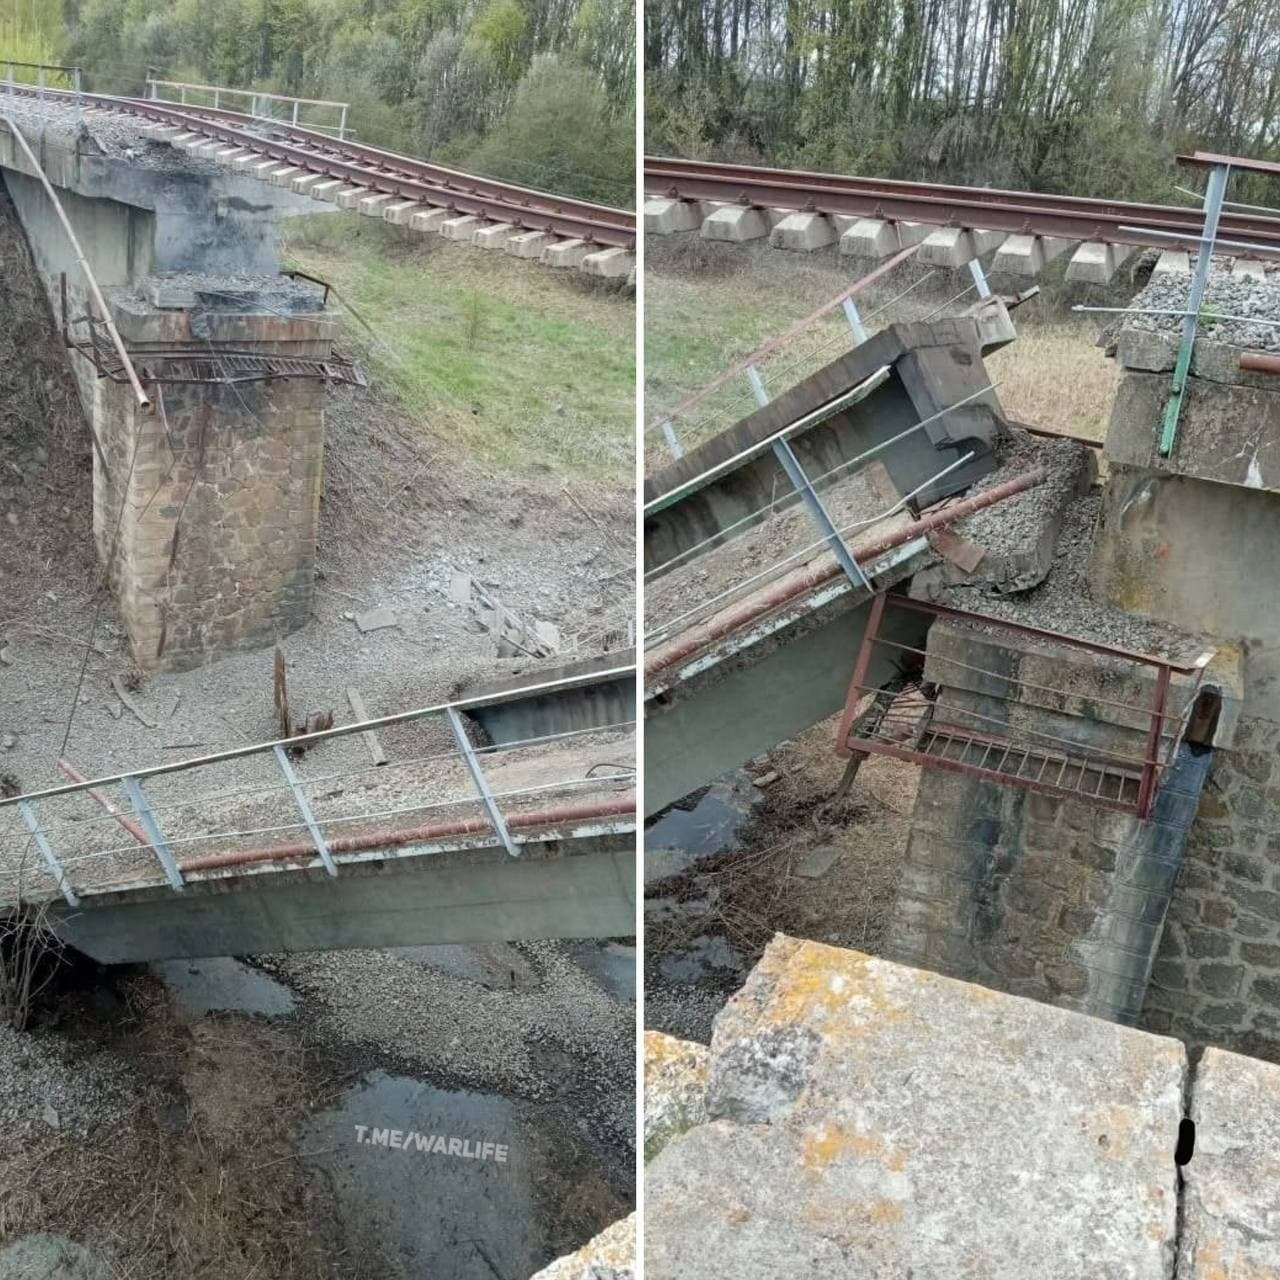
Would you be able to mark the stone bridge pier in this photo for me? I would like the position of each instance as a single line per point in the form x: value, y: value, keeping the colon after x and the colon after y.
x: 206, y: 503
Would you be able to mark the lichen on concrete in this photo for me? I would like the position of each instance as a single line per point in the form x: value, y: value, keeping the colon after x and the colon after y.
x: 921, y: 1126
x: 675, y: 1086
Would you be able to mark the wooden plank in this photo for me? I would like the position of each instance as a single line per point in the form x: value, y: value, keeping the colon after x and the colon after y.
x: 371, y: 740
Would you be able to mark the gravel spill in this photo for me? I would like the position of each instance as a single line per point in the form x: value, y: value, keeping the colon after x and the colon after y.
x: 1254, y: 300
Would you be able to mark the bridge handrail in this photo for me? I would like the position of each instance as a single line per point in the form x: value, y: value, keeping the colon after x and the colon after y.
x: 307, y: 739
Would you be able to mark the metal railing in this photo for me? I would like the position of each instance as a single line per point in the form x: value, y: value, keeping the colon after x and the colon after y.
x: 910, y: 725
x: 43, y: 75
x: 833, y: 538
x: 783, y: 361
x: 280, y: 108
x: 272, y: 810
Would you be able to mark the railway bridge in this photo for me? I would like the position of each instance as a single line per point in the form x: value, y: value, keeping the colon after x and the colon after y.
x: 1093, y: 825
x: 202, y: 369
x: 503, y: 815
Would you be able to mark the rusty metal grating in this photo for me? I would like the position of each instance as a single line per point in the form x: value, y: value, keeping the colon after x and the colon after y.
x: 906, y: 720
x: 218, y: 366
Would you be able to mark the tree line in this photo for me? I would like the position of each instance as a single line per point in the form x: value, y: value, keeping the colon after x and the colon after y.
x: 536, y: 91
x: 1089, y: 96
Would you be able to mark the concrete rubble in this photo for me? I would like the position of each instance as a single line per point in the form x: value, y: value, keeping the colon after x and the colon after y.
x: 610, y: 1256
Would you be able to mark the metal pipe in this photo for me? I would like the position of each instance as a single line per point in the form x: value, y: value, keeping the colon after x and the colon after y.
x: 143, y: 398
x: 103, y: 802
x: 803, y: 580
x: 565, y: 684
x: 412, y: 835
x: 1259, y: 362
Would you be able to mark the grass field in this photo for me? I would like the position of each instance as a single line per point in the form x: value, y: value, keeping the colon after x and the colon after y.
x: 506, y: 361
x: 707, y: 308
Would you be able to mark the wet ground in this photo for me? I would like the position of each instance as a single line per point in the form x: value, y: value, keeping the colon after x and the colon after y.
x: 382, y: 1158
x: 767, y: 849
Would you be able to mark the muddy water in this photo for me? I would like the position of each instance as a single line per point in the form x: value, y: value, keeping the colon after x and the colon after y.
x: 696, y: 829
x: 437, y: 1183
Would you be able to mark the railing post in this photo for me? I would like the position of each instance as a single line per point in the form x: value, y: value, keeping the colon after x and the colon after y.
x: 855, y: 320
x: 342, y: 125
x: 482, y: 784
x: 673, y: 441
x: 304, y: 807
x: 979, y: 278
x: 142, y: 810
x: 1151, y: 761
x: 783, y: 451
x: 1214, y: 194
x: 46, y: 850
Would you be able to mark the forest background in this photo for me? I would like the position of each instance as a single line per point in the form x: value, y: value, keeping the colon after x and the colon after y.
x: 1093, y: 97
x: 540, y: 92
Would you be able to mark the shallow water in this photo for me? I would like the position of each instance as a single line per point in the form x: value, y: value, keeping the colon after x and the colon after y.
x: 223, y: 984
x: 470, y: 1215
x: 681, y: 838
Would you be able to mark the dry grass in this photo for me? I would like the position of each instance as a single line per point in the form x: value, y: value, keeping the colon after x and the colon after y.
x: 1055, y: 377
x: 205, y: 1182
x: 709, y: 305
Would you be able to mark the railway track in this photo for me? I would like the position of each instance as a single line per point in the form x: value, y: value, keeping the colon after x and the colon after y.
x: 494, y: 204
x: 990, y: 214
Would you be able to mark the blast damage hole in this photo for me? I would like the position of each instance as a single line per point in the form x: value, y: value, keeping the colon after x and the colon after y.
x: 1186, y: 1142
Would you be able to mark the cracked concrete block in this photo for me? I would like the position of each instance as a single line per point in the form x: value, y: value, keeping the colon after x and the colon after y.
x: 735, y: 223
x: 528, y: 244
x: 610, y: 263
x: 460, y: 227
x: 494, y: 236
x: 428, y: 220
x: 565, y: 253
x: 664, y: 217
x: 1231, y: 1224
x: 675, y: 1089
x: 872, y: 1120
x: 1095, y: 262
x: 803, y: 232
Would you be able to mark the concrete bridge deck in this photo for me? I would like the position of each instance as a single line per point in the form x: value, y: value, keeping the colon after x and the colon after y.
x: 523, y: 829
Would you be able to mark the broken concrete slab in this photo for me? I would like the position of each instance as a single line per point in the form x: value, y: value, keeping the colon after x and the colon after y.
x: 675, y: 1089
x: 494, y: 236
x: 871, y: 1120
x: 566, y: 253
x: 377, y: 619
x: 1231, y: 1223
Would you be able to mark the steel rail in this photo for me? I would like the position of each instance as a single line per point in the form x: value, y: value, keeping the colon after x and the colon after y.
x: 381, y: 172
x: 986, y: 208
